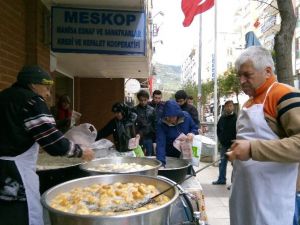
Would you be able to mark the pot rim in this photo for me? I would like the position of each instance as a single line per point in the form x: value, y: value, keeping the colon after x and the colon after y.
x: 84, y: 166
x: 173, y: 168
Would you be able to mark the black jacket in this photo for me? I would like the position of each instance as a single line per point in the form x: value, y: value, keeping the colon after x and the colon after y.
x: 192, y: 111
x: 226, y: 129
x: 146, y: 121
x: 122, y: 131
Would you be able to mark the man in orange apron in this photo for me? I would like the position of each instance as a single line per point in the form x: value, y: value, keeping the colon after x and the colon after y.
x: 263, y: 193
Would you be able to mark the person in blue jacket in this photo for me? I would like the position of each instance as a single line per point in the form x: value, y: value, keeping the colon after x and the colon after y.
x: 173, y: 122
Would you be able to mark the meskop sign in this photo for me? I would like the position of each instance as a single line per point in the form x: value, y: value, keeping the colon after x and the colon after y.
x: 98, y: 31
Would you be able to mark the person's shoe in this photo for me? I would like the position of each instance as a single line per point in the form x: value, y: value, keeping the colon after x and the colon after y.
x: 219, y: 182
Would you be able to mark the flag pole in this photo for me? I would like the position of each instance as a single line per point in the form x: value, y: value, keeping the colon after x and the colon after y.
x: 215, y: 73
x: 199, y: 66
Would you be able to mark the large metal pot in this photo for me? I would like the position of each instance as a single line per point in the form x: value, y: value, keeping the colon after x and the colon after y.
x: 155, y: 216
x: 56, y: 170
x: 175, y: 169
x: 87, y: 167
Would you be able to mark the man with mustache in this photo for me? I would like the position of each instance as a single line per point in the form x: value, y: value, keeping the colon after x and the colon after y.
x: 268, y: 130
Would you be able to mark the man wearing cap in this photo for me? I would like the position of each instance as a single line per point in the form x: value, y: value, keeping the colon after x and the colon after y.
x: 26, y: 124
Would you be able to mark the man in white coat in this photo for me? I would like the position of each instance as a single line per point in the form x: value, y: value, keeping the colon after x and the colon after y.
x: 263, y: 193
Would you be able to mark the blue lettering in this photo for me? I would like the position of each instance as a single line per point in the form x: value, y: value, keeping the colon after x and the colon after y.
x: 71, y: 17
x: 65, y: 41
x: 119, y: 19
x: 129, y: 19
x: 95, y: 18
x: 84, y: 17
x: 106, y: 18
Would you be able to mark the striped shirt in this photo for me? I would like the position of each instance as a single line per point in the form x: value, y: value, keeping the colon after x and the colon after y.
x: 40, y: 124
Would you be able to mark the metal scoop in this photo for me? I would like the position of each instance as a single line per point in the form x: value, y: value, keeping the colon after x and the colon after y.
x: 146, y: 201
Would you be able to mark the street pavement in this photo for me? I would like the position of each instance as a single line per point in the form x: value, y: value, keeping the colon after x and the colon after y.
x: 216, y: 196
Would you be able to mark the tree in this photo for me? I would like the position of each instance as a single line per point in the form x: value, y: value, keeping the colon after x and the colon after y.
x: 283, y: 42
x: 231, y: 83
x: 191, y: 88
x: 207, y: 88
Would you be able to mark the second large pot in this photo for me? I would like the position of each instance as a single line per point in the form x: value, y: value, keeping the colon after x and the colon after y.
x: 154, y: 163
x: 176, y: 169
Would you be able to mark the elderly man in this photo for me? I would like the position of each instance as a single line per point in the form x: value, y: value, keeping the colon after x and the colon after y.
x: 268, y: 129
x: 26, y: 124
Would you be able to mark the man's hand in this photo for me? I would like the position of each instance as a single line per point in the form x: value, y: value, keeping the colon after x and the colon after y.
x: 87, y: 154
x: 240, y: 149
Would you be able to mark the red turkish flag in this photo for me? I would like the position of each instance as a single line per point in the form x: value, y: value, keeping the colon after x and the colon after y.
x: 191, y: 8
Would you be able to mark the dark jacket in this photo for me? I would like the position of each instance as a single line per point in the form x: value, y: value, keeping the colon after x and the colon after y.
x: 158, y: 108
x: 192, y: 111
x: 122, y: 131
x: 167, y: 133
x: 226, y: 129
x: 25, y: 119
x: 146, y: 121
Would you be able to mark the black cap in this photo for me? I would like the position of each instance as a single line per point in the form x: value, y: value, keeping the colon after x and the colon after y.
x: 33, y: 74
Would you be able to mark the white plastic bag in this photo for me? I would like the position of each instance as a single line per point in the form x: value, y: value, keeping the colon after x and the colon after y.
x: 102, y: 144
x: 196, y: 150
x: 84, y: 134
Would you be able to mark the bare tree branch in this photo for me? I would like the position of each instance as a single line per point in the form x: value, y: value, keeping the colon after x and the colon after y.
x: 266, y: 4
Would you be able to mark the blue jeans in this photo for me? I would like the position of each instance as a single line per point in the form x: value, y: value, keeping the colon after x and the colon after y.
x: 148, y: 145
x: 222, y: 165
x: 297, y: 210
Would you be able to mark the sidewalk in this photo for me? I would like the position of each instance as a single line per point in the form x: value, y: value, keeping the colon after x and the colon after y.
x: 216, y: 196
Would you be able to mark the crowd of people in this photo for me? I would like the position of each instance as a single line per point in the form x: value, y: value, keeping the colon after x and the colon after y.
x: 157, y: 123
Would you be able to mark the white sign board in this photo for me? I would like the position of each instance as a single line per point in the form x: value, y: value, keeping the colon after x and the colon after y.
x: 132, y: 86
x: 98, y: 31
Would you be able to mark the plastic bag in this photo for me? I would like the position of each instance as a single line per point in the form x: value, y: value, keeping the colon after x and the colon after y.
x: 84, y: 134
x: 196, y: 150
x: 134, y: 142
x: 182, y: 144
x: 102, y: 144
x: 139, y: 151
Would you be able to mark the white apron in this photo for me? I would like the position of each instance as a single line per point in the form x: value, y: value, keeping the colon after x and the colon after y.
x: 26, y: 164
x: 263, y: 193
